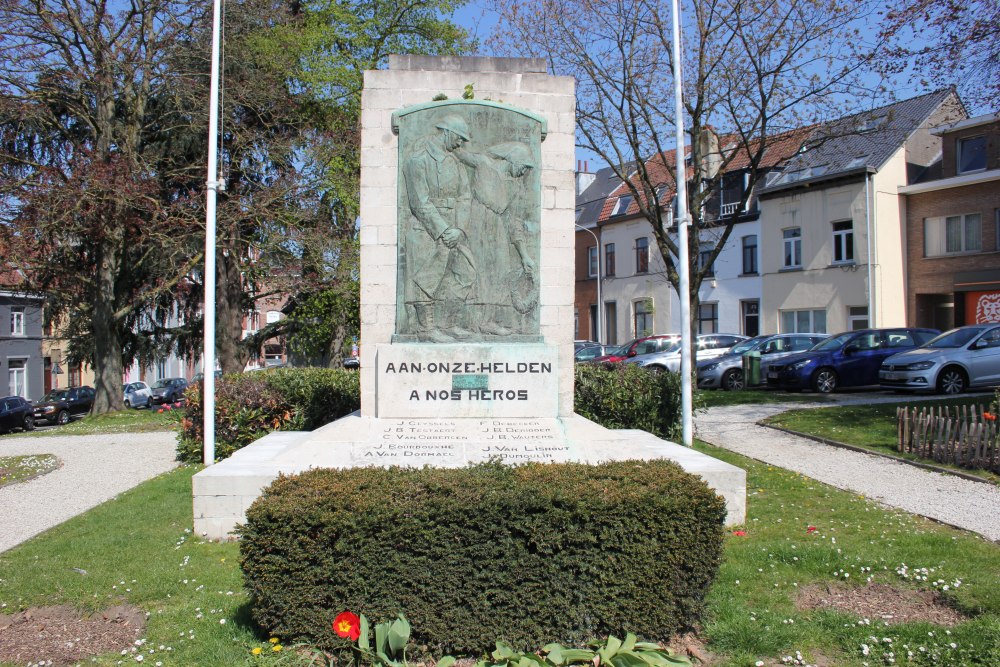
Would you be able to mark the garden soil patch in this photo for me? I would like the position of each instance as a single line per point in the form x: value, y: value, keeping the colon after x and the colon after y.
x: 61, y: 635
x: 880, y: 602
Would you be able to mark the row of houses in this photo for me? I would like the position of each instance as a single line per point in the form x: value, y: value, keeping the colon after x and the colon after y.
x: 893, y: 220
x: 33, y: 353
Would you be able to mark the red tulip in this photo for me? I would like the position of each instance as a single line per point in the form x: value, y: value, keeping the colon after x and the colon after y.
x: 347, y: 624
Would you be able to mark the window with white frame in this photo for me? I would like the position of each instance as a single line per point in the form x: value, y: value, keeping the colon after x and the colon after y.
x: 642, y: 255
x: 953, y: 234
x: 17, y: 377
x: 857, y: 318
x: 17, y: 321
x: 592, y: 261
x: 750, y: 254
x: 621, y: 206
x: 643, y: 320
x: 803, y: 321
x: 708, y: 318
x: 971, y: 154
x: 792, y: 239
x: 609, y: 259
x: 843, y: 242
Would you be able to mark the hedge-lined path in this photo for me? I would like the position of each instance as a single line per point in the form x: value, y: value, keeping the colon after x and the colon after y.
x: 95, y: 468
x: 974, y: 506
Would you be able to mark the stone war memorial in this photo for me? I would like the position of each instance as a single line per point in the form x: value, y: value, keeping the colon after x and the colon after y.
x: 467, y: 284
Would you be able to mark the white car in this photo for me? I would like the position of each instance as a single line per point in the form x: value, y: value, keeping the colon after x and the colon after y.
x: 707, y: 346
x: 137, y: 394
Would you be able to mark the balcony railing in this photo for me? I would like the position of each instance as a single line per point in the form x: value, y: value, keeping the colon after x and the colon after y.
x: 730, y: 209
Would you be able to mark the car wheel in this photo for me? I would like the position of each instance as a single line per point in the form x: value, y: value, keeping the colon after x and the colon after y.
x: 128, y: 404
x: 825, y: 380
x: 656, y: 369
x: 732, y: 380
x: 63, y: 417
x: 29, y: 423
x: 951, y: 381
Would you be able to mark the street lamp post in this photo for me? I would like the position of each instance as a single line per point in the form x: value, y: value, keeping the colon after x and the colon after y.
x: 600, y: 304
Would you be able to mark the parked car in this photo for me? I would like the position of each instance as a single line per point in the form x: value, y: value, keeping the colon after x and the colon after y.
x: 580, y: 344
x: 136, y: 395
x: 849, y: 359
x: 954, y: 361
x: 639, y: 346
x: 707, y: 346
x: 199, y: 376
x: 352, y: 363
x: 59, y: 405
x: 15, y: 412
x: 591, y: 352
x: 726, y: 372
x: 168, y: 390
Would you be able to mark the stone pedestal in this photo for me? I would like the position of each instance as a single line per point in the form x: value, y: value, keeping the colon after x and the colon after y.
x: 494, y: 379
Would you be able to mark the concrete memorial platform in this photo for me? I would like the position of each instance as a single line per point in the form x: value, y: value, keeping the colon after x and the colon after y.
x: 467, y: 277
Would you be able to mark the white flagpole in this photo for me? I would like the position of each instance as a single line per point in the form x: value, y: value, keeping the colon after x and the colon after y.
x: 682, y: 235
x: 213, y: 184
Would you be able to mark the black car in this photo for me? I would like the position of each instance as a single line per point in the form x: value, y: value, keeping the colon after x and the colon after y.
x: 15, y: 412
x: 57, y: 406
x: 168, y: 390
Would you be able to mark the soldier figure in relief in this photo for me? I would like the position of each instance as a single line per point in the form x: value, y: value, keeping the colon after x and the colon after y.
x: 441, y: 268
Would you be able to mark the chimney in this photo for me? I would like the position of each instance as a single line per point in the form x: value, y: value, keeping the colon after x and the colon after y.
x: 711, y: 158
x: 583, y: 176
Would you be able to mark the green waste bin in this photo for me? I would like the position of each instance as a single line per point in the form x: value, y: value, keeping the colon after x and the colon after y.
x: 751, y: 369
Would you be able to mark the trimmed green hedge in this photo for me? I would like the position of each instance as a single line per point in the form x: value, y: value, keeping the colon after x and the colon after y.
x: 528, y: 554
x: 251, y: 405
x: 628, y: 396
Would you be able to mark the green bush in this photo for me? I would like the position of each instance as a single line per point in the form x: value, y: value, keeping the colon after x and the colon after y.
x: 529, y: 554
x: 248, y: 406
x: 627, y: 396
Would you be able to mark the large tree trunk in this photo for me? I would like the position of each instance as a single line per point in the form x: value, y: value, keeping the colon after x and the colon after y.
x: 229, y: 314
x: 107, y: 343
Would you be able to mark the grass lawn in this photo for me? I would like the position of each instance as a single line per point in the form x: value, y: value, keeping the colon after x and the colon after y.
x: 138, y: 548
x: 20, y: 468
x: 713, y: 398
x: 123, y: 421
x: 872, y: 426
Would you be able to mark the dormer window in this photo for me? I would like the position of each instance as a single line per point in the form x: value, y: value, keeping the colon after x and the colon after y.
x: 621, y: 206
x: 971, y: 154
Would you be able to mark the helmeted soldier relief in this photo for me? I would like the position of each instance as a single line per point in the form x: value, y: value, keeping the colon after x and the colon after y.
x: 442, y: 268
x: 468, y: 235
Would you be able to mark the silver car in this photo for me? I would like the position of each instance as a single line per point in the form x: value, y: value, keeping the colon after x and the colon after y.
x: 136, y: 394
x: 707, y: 346
x: 964, y: 357
x: 726, y: 372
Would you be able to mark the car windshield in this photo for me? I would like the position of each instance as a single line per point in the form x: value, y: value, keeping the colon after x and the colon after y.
x: 160, y: 384
x: 954, y: 338
x: 834, y: 343
x: 54, y: 396
x: 748, y: 345
x: 617, y: 351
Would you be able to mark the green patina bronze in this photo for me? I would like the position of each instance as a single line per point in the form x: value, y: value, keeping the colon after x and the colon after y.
x: 470, y: 381
x: 469, y: 210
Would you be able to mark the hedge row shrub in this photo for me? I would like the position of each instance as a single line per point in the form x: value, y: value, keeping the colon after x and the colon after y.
x: 628, y: 396
x: 528, y: 554
x: 248, y: 406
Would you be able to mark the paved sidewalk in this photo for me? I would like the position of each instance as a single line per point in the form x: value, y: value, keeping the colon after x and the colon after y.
x: 95, y: 468
x: 974, y: 506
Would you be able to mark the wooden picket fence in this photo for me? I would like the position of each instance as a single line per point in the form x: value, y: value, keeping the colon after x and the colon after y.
x: 958, y: 435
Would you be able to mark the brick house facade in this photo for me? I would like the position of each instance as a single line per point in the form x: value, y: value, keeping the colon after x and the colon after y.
x: 952, y: 221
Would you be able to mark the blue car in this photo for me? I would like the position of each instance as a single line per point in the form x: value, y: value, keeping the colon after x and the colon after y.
x: 850, y: 359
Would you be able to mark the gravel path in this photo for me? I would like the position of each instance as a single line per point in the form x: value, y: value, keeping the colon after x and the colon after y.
x: 95, y: 468
x: 973, y: 506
